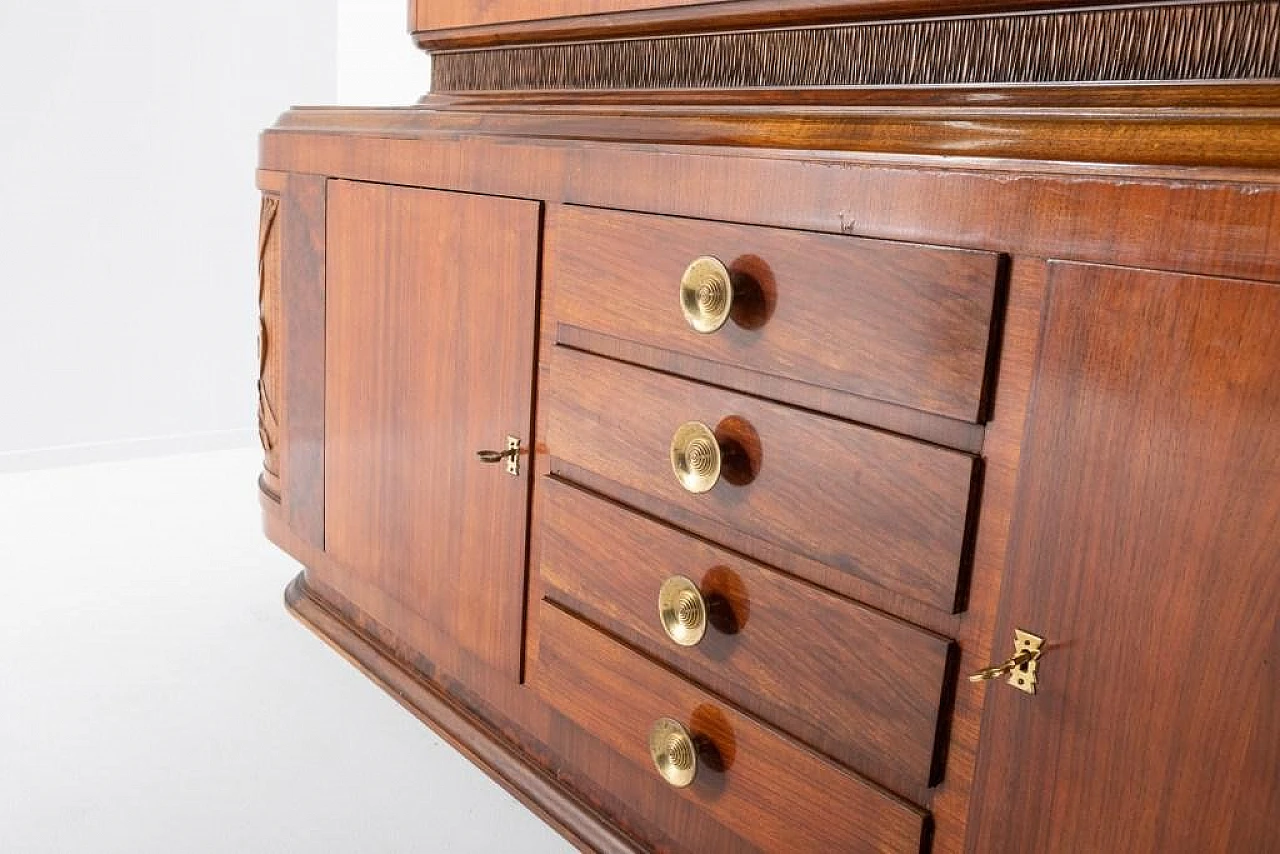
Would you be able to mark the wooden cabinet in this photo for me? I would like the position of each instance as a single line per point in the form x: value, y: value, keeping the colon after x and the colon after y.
x: 429, y: 330
x: 1144, y: 550
x: 995, y: 352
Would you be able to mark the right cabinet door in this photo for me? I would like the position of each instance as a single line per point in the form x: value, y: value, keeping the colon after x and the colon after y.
x: 1146, y: 551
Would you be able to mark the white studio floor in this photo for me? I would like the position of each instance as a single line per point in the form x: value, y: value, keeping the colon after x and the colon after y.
x: 156, y: 697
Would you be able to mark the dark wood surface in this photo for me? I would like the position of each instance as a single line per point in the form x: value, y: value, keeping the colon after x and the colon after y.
x: 1028, y: 124
x: 447, y: 14
x: 1000, y: 453
x: 302, y: 297
x: 457, y: 24
x: 765, y: 789
x: 889, y: 321
x: 857, y: 685
x: 1143, y: 502
x: 883, y: 508
x: 430, y: 342
x: 891, y: 417
x: 1126, y: 43
x: 1211, y: 222
x: 270, y: 344
x: 1146, y: 550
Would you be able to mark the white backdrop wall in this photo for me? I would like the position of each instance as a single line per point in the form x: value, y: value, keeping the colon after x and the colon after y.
x: 378, y: 64
x: 128, y: 217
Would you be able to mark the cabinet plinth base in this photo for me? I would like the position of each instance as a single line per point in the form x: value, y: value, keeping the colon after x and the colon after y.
x: 486, y: 748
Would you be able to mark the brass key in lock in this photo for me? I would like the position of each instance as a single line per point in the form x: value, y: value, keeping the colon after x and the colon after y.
x: 511, y: 455
x: 1022, y: 667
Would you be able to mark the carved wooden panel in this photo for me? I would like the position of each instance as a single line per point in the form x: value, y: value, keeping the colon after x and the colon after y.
x: 1201, y: 41
x: 270, y: 326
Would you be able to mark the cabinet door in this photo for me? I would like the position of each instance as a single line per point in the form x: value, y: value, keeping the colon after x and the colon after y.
x: 1146, y: 551
x: 429, y: 343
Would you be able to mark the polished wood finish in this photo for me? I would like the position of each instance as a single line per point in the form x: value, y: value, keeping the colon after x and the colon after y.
x: 885, y: 509
x: 1117, y: 473
x: 448, y: 14
x: 1143, y: 42
x: 894, y: 418
x: 855, y: 684
x: 888, y: 321
x: 763, y: 788
x: 1001, y: 455
x: 430, y: 335
x: 303, y: 295
x: 1145, y: 551
x: 461, y: 727
x: 489, y: 26
x: 1212, y: 223
x: 270, y: 344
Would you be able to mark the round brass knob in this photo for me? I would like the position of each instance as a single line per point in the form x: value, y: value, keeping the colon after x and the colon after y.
x: 695, y: 457
x: 706, y: 294
x: 682, y: 610
x: 673, y: 752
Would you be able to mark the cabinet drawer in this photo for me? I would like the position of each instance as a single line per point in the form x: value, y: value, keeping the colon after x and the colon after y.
x: 860, y: 686
x: 769, y: 791
x: 889, y: 510
x: 894, y: 322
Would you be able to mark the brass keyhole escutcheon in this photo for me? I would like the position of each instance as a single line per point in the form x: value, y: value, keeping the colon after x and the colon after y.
x: 682, y: 610
x: 1022, y: 667
x: 510, y: 455
x: 695, y: 457
x: 673, y: 752
x: 706, y: 294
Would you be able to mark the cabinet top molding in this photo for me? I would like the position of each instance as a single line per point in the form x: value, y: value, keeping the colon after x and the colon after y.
x: 442, y: 25
x: 1154, y: 43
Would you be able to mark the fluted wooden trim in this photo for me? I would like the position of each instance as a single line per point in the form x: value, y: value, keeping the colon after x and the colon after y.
x: 1170, y: 42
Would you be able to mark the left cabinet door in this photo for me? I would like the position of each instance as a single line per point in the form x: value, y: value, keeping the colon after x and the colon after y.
x: 429, y: 348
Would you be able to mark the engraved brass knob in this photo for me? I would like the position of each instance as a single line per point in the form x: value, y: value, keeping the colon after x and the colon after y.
x: 695, y: 457
x: 706, y: 294
x: 673, y: 752
x: 682, y: 610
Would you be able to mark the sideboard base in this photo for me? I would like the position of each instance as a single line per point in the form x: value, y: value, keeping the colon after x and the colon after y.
x: 502, y: 761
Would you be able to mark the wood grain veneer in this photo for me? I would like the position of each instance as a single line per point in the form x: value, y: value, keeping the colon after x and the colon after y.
x: 302, y: 295
x: 492, y: 26
x: 447, y: 14
x: 857, y: 685
x: 1211, y: 222
x: 892, y: 322
x: 270, y: 344
x: 413, y: 393
x: 767, y: 791
x: 471, y: 734
x: 1121, y: 494
x: 1183, y: 41
x: 1145, y: 552
x: 883, y: 508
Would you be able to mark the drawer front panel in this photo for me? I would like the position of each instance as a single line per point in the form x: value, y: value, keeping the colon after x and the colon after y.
x: 860, y: 686
x: 895, y: 322
x: 768, y: 790
x: 886, y: 509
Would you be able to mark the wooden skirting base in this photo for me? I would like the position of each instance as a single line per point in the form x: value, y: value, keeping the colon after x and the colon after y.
x: 498, y: 758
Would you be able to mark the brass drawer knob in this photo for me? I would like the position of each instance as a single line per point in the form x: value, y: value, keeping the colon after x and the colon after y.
x: 706, y: 294
x: 682, y: 610
x: 673, y: 752
x: 695, y: 457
